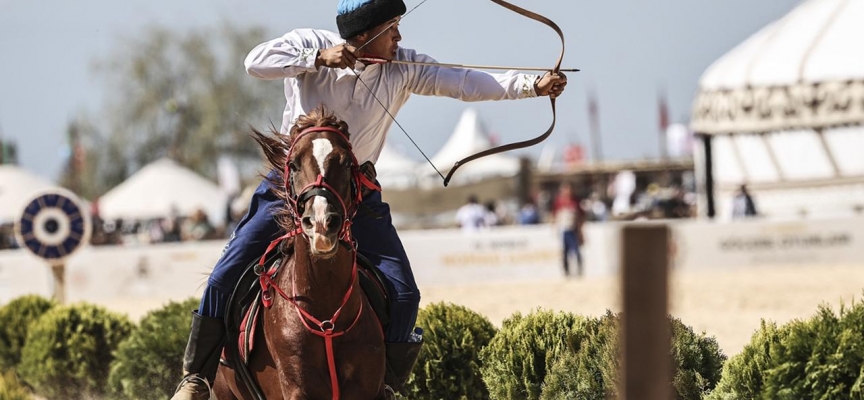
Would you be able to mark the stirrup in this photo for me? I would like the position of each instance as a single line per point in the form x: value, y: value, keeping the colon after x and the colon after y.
x: 389, y: 393
x: 194, y: 377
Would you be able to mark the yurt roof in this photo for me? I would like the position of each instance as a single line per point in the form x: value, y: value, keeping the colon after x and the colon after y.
x: 159, y: 187
x: 17, y: 186
x: 803, y: 71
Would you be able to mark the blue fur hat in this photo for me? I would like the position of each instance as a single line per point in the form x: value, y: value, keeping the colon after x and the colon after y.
x: 357, y: 16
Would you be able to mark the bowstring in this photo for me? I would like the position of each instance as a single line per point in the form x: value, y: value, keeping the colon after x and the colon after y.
x: 389, y: 114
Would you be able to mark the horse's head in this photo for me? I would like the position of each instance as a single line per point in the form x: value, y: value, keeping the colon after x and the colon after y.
x: 319, y: 179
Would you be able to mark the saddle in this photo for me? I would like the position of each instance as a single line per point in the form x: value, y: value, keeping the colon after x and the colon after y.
x: 242, y: 317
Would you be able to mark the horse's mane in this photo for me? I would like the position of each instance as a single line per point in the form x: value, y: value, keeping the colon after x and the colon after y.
x: 276, y: 147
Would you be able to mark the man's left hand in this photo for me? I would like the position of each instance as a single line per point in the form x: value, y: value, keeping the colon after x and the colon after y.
x: 550, y: 84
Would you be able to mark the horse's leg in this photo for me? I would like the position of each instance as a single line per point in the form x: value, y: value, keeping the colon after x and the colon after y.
x: 223, y: 387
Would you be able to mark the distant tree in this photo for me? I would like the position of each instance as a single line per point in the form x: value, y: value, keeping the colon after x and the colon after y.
x: 170, y: 94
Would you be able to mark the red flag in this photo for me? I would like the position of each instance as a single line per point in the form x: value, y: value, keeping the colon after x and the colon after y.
x: 664, y: 113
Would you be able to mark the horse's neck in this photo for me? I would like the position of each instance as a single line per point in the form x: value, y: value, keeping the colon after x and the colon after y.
x: 319, y: 284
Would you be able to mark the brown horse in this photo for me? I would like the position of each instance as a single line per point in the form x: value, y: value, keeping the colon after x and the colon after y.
x: 320, y: 338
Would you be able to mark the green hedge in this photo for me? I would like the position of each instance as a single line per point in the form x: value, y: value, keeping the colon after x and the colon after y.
x: 449, y: 363
x: 517, y: 360
x: 69, y: 351
x: 149, y: 364
x: 820, y: 358
x: 15, y: 320
x: 590, y: 369
x: 11, y: 388
x: 552, y: 356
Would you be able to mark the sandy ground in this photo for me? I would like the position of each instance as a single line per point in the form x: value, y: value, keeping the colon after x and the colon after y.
x: 725, y: 304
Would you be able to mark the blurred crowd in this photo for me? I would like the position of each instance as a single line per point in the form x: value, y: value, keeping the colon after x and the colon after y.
x: 653, y: 202
x: 566, y: 205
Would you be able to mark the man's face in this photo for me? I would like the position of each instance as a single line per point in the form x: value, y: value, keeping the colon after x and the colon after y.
x: 384, y: 46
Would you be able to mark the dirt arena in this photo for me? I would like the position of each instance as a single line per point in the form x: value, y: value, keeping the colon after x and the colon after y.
x: 727, y: 305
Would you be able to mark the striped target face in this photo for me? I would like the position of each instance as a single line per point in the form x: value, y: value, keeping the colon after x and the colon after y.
x: 53, y: 226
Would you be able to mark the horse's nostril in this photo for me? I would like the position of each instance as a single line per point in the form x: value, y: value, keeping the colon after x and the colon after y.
x: 307, y: 222
x: 334, y: 222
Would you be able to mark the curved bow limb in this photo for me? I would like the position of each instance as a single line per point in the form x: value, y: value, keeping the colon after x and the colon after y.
x: 526, y: 143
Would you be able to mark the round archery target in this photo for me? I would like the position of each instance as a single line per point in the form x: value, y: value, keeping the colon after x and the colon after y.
x: 53, y: 225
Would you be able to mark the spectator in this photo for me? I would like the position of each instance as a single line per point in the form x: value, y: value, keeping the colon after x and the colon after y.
x: 197, y: 227
x: 471, y: 216
x: 599, y: 212
x: 528, y: 214
x: 743, y: 205
x: 569, y: 217
x: 490, y: 218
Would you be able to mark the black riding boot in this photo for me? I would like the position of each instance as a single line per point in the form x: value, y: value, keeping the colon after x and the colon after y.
x: 202, y: 358
x: 401, y: 358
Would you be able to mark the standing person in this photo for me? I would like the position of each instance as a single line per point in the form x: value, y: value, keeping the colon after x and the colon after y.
x: 743, y: 205
x: 471, y: 216
x: 321, y: 67
x: 569, y: 218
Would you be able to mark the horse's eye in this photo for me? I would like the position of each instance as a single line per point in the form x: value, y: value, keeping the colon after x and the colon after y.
x: 293, y: 166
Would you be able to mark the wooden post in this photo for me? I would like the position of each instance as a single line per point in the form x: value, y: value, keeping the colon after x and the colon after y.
x: 646, y: 364
x: 59, y: 273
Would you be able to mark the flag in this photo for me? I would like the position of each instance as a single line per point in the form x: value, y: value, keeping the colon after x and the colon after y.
x: 664, y: 113
x: 663, y: 110
x: 594, y: 121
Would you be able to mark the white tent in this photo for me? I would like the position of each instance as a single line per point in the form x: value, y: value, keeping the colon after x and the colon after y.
x: 395, y: 170
x: 783, y: 113
x: 160, y: 187
x: 17, y: 187
x: 469, y: 137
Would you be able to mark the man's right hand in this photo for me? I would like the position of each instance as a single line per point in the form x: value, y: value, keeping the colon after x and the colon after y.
x: 340, y: 56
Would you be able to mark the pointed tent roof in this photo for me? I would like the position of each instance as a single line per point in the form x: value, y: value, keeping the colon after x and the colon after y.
x: 395, y: 170
x: 155, y: 189
x: 469, y: 137
x: 18, y: 186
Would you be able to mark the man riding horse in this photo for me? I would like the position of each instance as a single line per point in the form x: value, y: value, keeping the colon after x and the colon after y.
x: 322, y: 67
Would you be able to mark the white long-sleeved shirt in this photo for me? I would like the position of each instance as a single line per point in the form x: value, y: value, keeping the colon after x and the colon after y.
x: 292, y: 58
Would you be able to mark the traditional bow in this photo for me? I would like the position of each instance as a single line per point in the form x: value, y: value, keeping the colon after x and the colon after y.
x: 507, y: 147
x: 526, y: 143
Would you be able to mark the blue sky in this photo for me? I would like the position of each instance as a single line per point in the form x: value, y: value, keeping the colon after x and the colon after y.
x: 629, y: 52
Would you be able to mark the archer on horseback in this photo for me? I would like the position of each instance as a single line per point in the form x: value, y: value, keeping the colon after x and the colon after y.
x: 318, y: 67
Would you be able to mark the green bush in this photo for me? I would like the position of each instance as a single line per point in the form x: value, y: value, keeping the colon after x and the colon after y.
x: 69, y: 351
x: 11, y: 388
x: 590, y: 371
x: 697, y: 359
x: 15, y: 319
x: 517, y: 360
x: 449, y: 363
x: 819, y: 358
x: 149, y: 364
x: 742, y: 376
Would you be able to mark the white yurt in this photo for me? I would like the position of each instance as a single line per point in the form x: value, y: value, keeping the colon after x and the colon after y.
x: 470, y: 137
x: 782, y: 113
x: 160, y: 187
x: 395, y: 170
x: 17, y: 187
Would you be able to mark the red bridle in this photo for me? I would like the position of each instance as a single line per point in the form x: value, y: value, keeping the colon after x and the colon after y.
x: 320, y: 187
x: 325, y: 328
